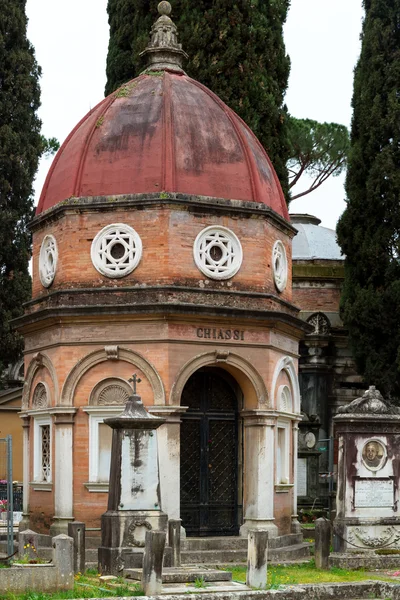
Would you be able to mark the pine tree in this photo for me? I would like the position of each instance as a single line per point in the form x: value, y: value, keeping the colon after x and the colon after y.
x: 369, y: 229
x: 235, y: 49
x: 20, y: 148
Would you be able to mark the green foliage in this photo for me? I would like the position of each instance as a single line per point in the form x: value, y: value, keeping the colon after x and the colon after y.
x: 199, y: 582
x: 235, y: 49
x: 20, y: 148
x: 369, y: 229
x: 49, y: 146
x: 316, y: 149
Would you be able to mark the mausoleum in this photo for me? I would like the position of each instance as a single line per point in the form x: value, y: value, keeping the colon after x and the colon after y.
x: 162, y: 247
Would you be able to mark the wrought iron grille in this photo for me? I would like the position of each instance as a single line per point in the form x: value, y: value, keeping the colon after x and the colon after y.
x: 209, y: 456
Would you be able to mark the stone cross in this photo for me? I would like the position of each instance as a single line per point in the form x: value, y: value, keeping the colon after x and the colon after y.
x: 134, y: 380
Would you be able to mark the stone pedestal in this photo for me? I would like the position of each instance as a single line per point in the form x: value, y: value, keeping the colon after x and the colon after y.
x: 367, y: 499
x: 134, y: 498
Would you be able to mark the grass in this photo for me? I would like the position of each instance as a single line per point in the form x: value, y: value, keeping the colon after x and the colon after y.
x: 87, y: 585
x: 279, y: 575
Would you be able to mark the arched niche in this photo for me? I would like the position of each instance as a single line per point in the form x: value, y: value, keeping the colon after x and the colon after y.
x: 287, y: 366
x: 111, y: 353
x: 248, y: 378
x: 39, y: 361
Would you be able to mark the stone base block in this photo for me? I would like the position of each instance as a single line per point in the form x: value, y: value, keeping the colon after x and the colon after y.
x: 123, y: 538
x: 352, y: 535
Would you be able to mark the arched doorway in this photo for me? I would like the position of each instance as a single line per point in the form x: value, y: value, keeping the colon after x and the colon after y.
x: 209, y: 454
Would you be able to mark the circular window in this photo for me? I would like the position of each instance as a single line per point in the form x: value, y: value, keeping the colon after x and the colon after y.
x: 279, y: 265
x: 217, y: 252
x: 48, y: 260
x: 116, y: 250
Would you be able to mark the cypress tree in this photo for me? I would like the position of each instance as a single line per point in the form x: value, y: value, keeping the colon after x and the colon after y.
x: 235, y: 49
x: 369, y: 229
x: 20, y: 148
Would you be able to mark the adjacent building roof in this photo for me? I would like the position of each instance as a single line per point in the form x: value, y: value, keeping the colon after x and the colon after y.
x: 313, y: 241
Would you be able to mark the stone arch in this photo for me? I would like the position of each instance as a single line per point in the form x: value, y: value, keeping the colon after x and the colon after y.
x: 38, y: 361
x: 286, y: 363
x: 111, y: 353
x: 220, y: 359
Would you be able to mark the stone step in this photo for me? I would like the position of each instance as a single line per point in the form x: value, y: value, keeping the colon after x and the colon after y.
x: 214, y: 543
x: 183, y: 574
x: 290, y: 539
x: 214, y: 557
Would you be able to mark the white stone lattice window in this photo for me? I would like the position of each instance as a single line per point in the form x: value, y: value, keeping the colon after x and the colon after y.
x: 42, y: 449
x: 282, y: 453
x: 279, y: 265
x: 116, y: 250
x: 217, y: 252
x: 285, y: 403
x: 48, y: 258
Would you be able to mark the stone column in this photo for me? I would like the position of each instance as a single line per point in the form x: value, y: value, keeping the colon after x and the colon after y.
x: 26, y: 423
x: 259, y: 465
x: 168, y: 438
x: 63, y: 469
x: 296, y: 527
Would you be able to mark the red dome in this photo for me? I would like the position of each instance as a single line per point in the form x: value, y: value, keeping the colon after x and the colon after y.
x: 163, y: 132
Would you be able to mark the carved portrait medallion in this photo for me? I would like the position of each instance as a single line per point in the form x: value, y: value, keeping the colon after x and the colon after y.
x: 374, y: 455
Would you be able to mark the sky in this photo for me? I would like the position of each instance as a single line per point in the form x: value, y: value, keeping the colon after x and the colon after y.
x: 322, y: 39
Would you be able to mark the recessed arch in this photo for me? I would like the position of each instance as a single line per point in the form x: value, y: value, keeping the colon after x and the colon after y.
x: 99, y: 356
x: 287, y: 364
x: 39, y: 360
x: 223, y: 359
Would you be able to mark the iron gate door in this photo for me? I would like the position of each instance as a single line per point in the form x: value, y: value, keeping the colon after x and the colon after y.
x: 209, y: 456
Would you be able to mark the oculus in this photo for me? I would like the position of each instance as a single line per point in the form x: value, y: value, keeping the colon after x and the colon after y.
x: 373, y: 455
x: 116, y: 250
x: 48, y: 257
x: 279, y: 265
x: 217, y: 252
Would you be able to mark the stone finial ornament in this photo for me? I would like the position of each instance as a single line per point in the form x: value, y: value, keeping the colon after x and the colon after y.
x: 371, y: 402
x: 163, y: 51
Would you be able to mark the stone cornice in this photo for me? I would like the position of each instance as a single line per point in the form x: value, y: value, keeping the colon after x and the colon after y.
x: 277, y: 319
x: 140, y: 201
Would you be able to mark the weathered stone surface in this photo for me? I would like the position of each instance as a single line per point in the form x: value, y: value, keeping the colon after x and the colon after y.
x: 174, y: 540
x: 28, y: 543
x: 63, y: 558
x: 184, y: 574
x: 152, y: 562
x: 257, y: 558
x: 76, y: 530
x: 322, y: 543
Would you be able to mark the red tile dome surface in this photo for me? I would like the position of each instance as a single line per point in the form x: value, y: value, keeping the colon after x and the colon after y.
x: 163, y: 132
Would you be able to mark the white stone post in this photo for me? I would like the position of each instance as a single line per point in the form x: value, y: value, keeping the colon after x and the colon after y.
x: 296, y: 527
x: 168, y: 436
x: 259, y: 466
x: 26, y: 424
x: 63, y: 469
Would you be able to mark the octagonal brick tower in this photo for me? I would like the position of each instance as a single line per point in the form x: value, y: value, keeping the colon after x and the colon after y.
x: 162, y: 246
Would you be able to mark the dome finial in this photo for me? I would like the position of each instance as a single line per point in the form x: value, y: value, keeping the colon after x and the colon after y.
x: 163, y: 50
x: 164, y: 8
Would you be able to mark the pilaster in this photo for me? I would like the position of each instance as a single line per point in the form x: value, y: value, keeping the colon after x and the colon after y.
x: 63, y: 468
x: 259, y: 462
